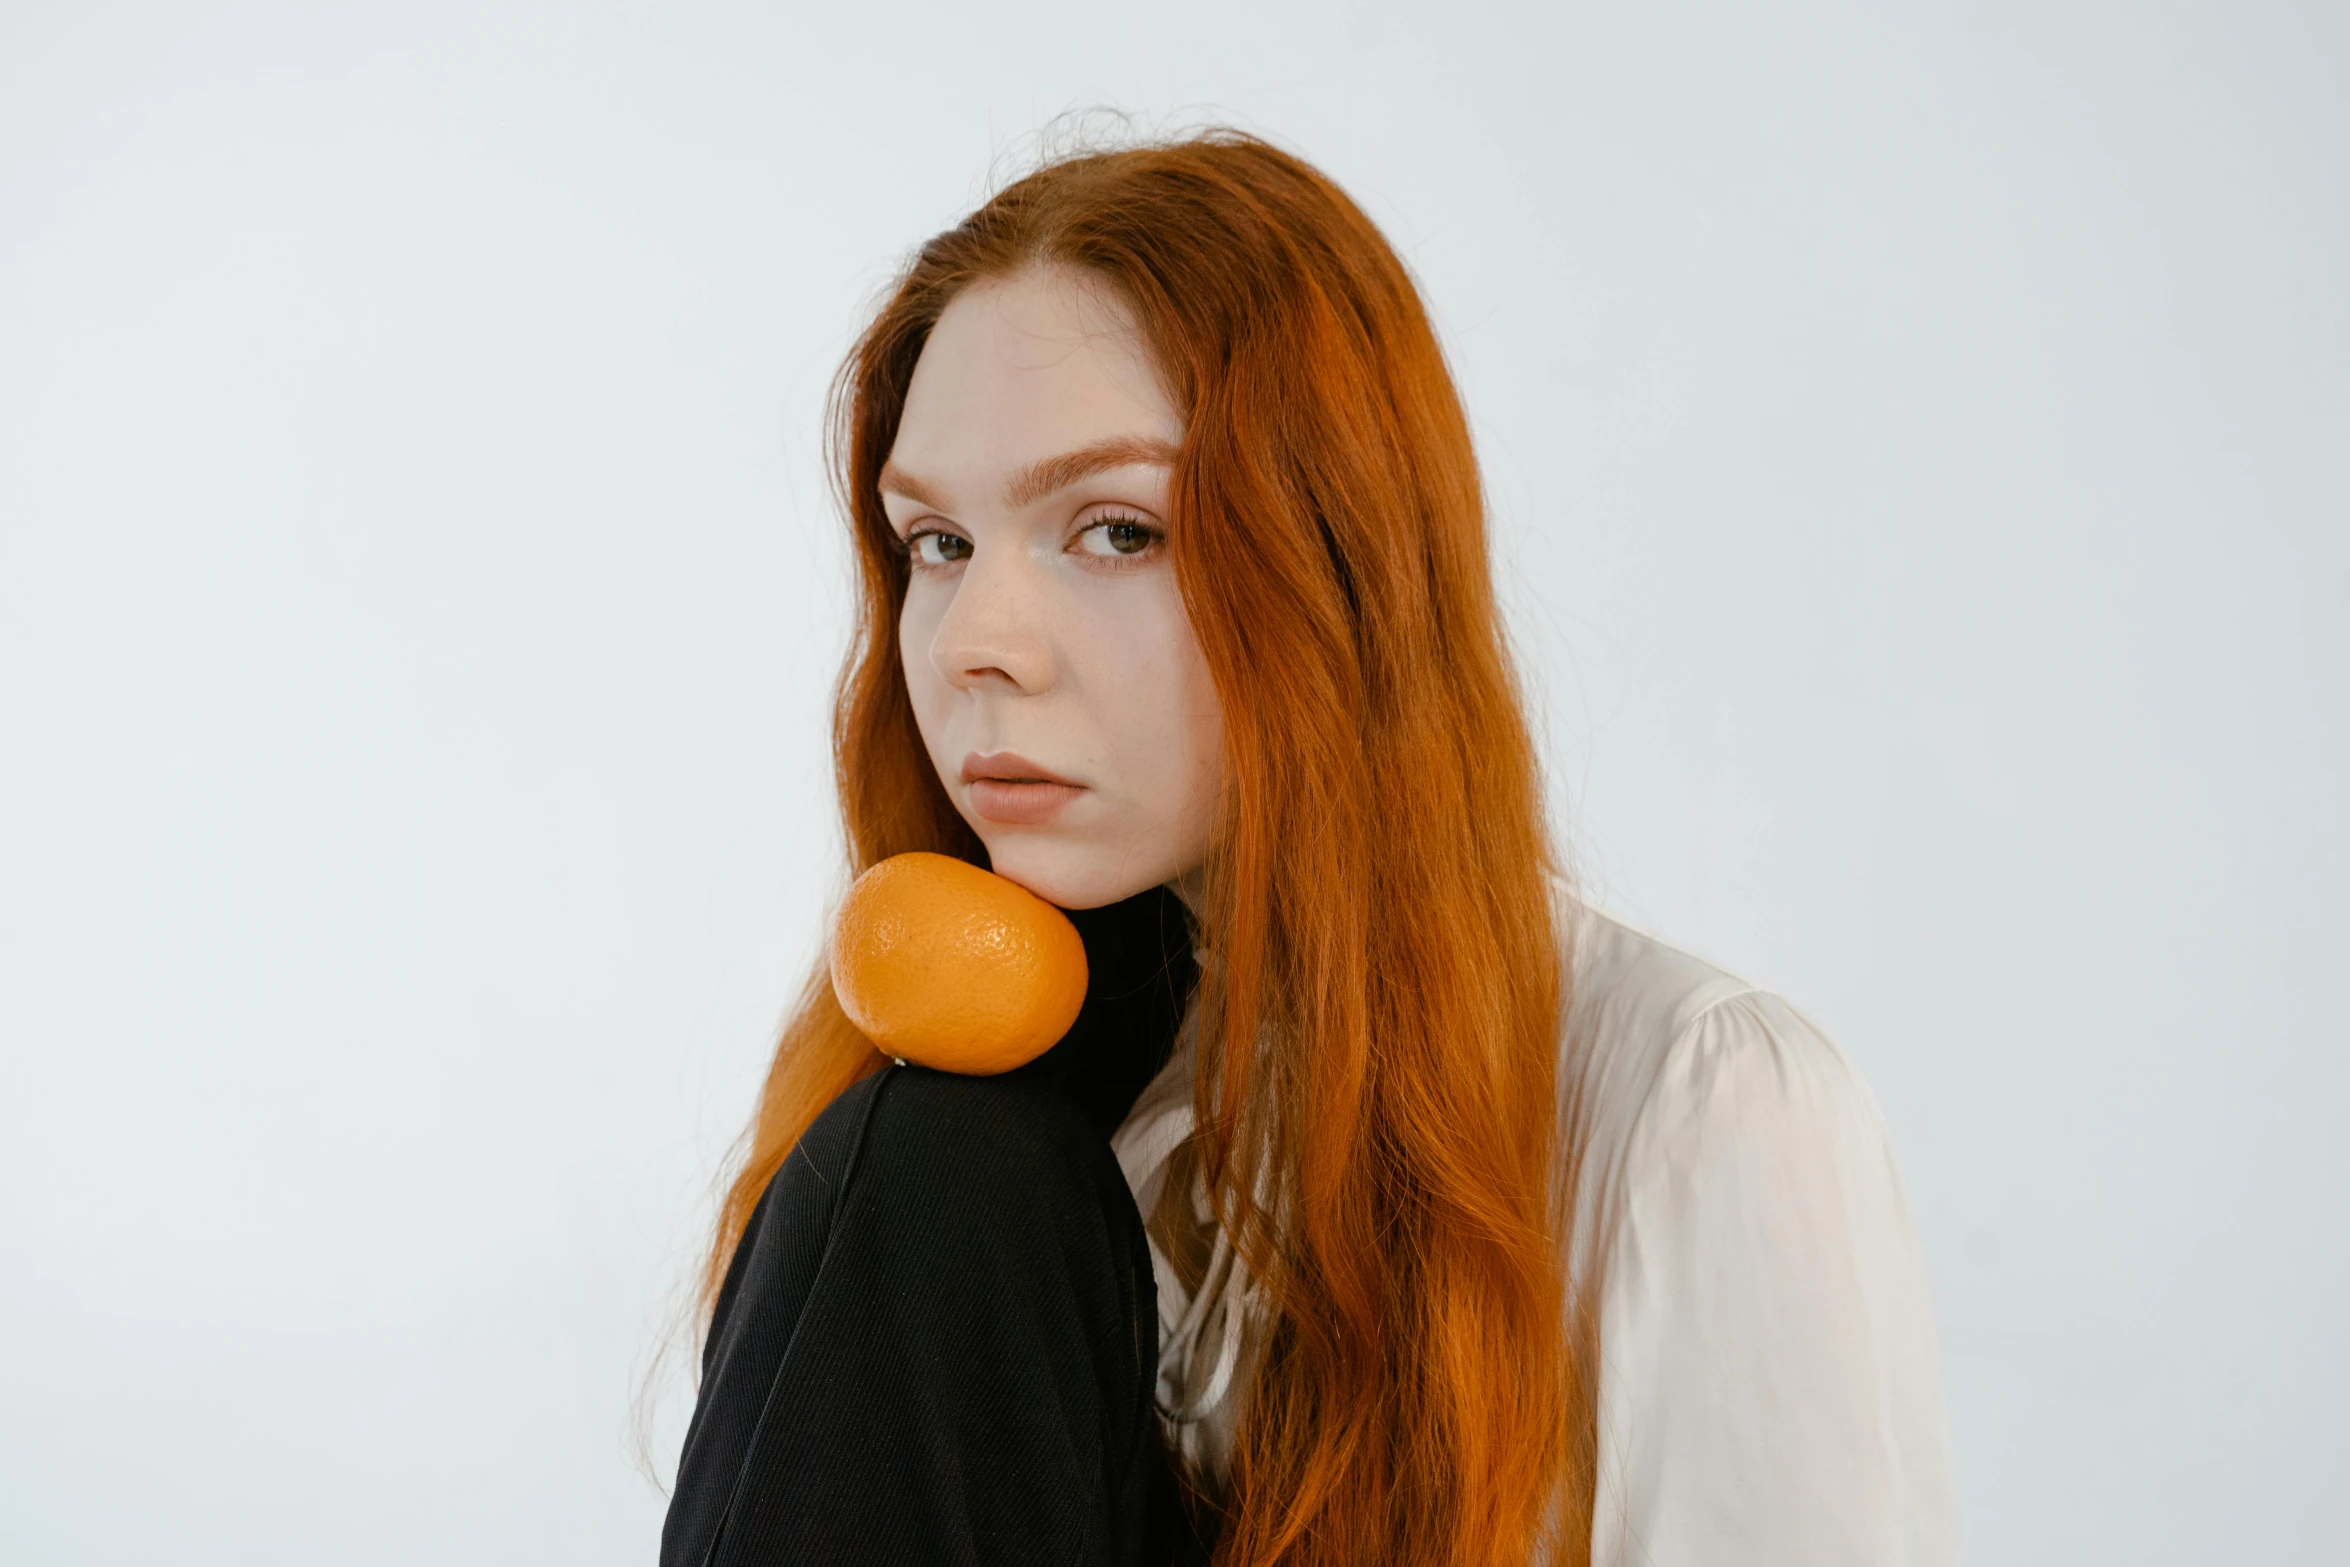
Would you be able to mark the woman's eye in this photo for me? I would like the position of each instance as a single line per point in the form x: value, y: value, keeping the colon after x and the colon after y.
x: 931, y: 548
x: 1118, y: 536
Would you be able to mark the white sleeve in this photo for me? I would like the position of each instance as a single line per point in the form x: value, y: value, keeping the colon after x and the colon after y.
x: 1770, y: 1391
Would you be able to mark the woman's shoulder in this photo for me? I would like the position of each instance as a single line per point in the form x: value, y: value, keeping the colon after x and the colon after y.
x: 1685, y: 1080
x: 1633, y: 995
x: 1662, y: 1046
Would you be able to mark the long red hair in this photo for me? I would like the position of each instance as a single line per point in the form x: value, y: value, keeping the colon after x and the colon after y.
x: 1380, y: 1030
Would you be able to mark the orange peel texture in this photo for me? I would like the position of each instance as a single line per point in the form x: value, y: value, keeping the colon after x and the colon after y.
x: 947, y: 965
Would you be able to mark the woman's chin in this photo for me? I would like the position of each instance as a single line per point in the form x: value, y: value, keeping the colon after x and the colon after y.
x: 1070, y: 875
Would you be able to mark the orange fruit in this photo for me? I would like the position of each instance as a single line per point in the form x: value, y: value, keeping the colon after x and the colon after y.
x: 942, y: 963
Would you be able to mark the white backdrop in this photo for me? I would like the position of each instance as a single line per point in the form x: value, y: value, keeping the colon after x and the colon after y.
x: 1917, y: 439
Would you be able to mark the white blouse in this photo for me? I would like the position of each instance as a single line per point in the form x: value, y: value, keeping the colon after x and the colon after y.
x: 1769, y: 1386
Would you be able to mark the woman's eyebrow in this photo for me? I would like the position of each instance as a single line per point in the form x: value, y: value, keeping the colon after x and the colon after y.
x: 1041, y: 478
x: 1044, y: 476
x: 895, y: 480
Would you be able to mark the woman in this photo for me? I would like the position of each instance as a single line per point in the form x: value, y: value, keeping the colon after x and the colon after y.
x: 1386, y: 1204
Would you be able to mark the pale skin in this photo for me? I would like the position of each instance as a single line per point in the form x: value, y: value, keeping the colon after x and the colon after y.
x: 1054, y: 673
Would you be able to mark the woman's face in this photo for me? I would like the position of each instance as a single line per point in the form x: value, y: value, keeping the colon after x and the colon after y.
x: 1055, y: 677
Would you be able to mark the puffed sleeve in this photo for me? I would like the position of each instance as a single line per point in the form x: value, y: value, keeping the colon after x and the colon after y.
x: 1770, y: 1390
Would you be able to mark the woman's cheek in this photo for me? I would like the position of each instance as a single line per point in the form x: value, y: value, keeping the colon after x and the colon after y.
x: 1166, y: 711
x: 925, y: 687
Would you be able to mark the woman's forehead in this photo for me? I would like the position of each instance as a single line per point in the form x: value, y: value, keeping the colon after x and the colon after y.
x: 1020, y: 372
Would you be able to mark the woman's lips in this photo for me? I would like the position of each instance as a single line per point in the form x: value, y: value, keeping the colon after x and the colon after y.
x: 1011, y: 789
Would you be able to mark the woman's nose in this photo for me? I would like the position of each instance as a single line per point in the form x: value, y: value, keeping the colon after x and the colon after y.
x: 993, y: 631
